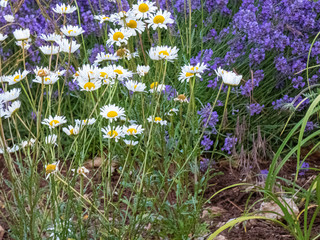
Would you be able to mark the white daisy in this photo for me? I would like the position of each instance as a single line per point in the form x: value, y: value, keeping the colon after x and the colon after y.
x: 172, y: 111
x: 112, y: 112
x: 121, y: 73
x: 118, y: 36
x: 48, y: 50
x: 66, y: 46
x: 81, y: 171
x: 159, y: 20
x: 28, y: 143
x: 89, y: 86
x: 53, y: 37
x: 64, y: 9
x: 142, y: 70
x: 3, y: 37
x: 3, y: 3
x: 185, y: 75
x: 13, y: 108
x: 125, y: 53
x: 115, y: 133
x: 51, y: 139
x: 135, y: 86
x: 130, y: 142
x: 198, y: 68
x: 52, y: 168
x: 157, y: 120
x: 105, y: 57
x: 59, y: 72
x: 103, y: 18
x: 21, y: 34
x: 156, y: 87
x: 87, y: 73
x: 144, y: 9
x: 219, y: 71
x: 55, y: 121
x: 14, y: 148
x: 181, y: 98
x: 133, y: 25
x: 47, y: 80
x: 231, y: 79
x: 71, y: 31
x: 16, y: 77
x: 70, y: 130
x: 88, y: 121
x: 11, y: 95
x: 133, y: 130
x: 9, y: 18
x: 163, y: 52
x: 24, y: 44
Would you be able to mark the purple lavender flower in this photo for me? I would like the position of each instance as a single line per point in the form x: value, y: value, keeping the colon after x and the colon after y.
x: 170, y: 92
x: 304, y: 168
x: 205, y: 164
x: 73, y: 86
x: 229, y: 143
x: 206, y: 142
x: 310, y: 126
x: 205, y: 116
x: 255, y: 108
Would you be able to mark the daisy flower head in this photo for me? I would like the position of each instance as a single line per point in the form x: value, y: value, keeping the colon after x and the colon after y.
x: 163, y: 52
x: 81, y: 171
x: 185, y: 75
x: 52, y: 168
x: 87, y: 73
x: 157, y: 120
x: 12, y: 109
x: 3, y: 37
x: 112, y: 112
x: 181, y: 98
x: 133, y: 130
x: 16, y: 77
x: 47, y: 80
x: 84, y: 122
x: 60, y: 72
x: 89, y: 86
x: 231, y: 79
x: 103, y: 18
x: 198, y: 68
x: 9, y: 18
x: 120, y: 16
x: 118, y: 36
x: 135, y: 86
x: 121, y: 73
x: 71, y: 31
x: 53, y: 37
x: 159, y: 20
x: 51, y: 139
x: 55, y: 121
x: 172, y: 111
x: 10, y: 95
x: 105, y: 57
x: 133, y: 25
x: 144, y: 9
x: 28, y: 143
x: 142, y: 70
x: 130, y: 142
x: 24, y: 44
x: 14, y: 148
x: 220, y: 72
x: 48, y: 50
x: 21, y: 34
x: 123, y: 53
x: 156, y: 87
x: 71, y: 131
x: 113, y: 133
x: 66, y: 46
x: 3, y: 3
x: 41, y: 71
x: 64, y: 9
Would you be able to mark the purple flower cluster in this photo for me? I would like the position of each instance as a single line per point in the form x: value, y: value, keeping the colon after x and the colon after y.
x: 207, y: 117
x: 255, y: 108
x: 229, y: 143
x: 287, y: 102
x: 303, y: 168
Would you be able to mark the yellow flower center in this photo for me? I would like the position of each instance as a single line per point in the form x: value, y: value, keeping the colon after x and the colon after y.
x: 105, y: 18
x: 53, y: 122
x: 164, y: 52
x: 193, y: 68
x: 89, y: 85
x: 64, y: 9
x: 113, y: 133
x: 189, y: 74
x: 70, y: 31
x: 112, y: 114
x: 154, y: 84
x: 157, y: 119
x: 46, y: 79
x: 50, y: 168
x: 132, y: 130
x: 143, y: 7
x: 71, y: 131
x: 103, y: 74
x: 17, y: 78
x: 158, y: 19
x: 132, y: 24
x: 80, y: 170
x: 135, y: 86
x: 118, y: 71
x: 182, y: 97
x: 118, y: 35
